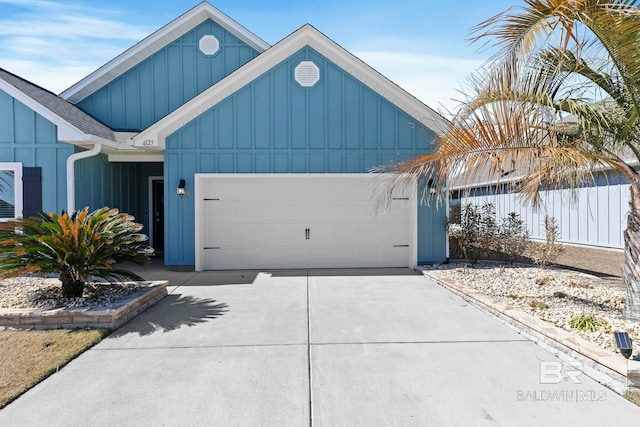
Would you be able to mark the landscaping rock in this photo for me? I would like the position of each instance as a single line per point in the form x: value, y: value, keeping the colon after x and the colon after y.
x: 553, y: 295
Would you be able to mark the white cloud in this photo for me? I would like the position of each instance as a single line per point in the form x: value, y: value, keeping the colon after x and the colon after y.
x: 54, y: 79
x: 55, y: 44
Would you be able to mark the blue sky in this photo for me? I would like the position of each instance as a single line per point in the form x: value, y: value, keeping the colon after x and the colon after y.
x: 420, y: 45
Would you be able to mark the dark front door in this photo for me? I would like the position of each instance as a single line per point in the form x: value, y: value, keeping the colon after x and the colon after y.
x: 158, y: 215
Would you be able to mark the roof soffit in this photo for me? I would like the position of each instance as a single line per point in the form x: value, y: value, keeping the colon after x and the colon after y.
x: 156, y: 41
x: 305, y: 36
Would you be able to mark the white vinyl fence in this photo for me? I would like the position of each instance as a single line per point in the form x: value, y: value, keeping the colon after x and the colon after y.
x: 596, y: 216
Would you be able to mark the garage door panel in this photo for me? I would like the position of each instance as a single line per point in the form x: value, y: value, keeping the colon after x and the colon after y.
x: 371, y: 234
x: 261, y: 222
x: 230, y: 259
x: 231, y: 235
x: 334, y: 234
x: 396, y: 212
x: 291, y: 234
x: 286, y: 257
x: 395, y: 256
x: 216, y: 211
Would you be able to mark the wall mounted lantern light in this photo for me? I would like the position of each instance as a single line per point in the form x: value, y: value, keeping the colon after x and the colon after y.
x: 181, y: 186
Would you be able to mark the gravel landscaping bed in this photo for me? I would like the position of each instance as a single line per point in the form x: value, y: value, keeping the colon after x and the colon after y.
x: 553, y: 295
x: 46, y: 293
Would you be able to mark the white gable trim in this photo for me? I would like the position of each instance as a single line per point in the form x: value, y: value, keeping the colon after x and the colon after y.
x: 306, y: 36
x: 66, y: 131
x: 156, y: 41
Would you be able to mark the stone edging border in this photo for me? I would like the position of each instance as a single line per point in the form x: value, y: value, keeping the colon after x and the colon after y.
x: 111, y: 317
x: 607, y: 368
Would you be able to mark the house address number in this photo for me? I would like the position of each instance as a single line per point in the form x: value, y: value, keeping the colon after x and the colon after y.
x: 148, y: 143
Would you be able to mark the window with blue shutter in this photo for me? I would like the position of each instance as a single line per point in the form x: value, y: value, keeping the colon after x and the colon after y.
x: 10, y: 191
x: 7, y: 194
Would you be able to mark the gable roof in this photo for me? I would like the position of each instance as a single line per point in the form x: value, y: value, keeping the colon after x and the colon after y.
x: 156, y: 41
x: 73, y: 124
x: 305, y: 36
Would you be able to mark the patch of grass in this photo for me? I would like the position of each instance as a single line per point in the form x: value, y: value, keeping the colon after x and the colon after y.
x: 632, y: 397
x: 538, y: 304
x: 28, y: 357
x: 513, y: 296
x: 559, y: 294
x: 585, y: 322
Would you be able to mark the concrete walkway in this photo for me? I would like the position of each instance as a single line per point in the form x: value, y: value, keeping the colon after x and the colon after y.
x: 323, y: 348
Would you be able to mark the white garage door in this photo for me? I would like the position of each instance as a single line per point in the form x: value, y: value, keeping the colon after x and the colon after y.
x: 300, y: 221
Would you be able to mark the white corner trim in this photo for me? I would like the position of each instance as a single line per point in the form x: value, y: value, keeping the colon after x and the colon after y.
x: 198, y: 220
x: 156, y: 41
x: 17, y: 188
x: 66, y: 131
x: 305, y: 36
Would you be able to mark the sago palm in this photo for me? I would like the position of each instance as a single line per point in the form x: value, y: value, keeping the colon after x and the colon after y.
x: 75, y: 246
x: 559, y: 101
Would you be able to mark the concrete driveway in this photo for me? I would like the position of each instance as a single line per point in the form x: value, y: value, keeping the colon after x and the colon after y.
x: 324, y: 348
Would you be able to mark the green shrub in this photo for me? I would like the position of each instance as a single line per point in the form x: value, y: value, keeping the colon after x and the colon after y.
x: 513, y: 237
x: 585, y: 322
x: 547, y: 252
x: 75, y: 247
x: 477, y: 234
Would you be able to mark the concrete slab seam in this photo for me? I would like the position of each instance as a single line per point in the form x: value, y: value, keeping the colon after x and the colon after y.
x: 310, y: 373
x: 204, y: 347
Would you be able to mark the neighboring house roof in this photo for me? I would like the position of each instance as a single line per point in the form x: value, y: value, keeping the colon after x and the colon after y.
x: 73, y: 125
x: 485, y: 177
x: 305, y: 36
x: 156, y: 41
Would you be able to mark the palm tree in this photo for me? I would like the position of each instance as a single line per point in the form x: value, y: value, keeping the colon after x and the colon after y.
x: 559, y: 101
x: 75, y: 246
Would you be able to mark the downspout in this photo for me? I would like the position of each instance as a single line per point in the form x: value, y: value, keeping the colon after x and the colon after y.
x: 71, y: 174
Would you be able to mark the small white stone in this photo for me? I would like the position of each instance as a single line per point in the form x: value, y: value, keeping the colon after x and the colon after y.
x: 46, y: 293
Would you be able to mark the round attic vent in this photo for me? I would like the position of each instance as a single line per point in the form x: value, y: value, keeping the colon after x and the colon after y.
x: 209, y: 45
x: 307, y: 73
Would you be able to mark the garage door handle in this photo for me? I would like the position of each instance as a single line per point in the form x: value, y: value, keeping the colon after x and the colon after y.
x: 307, y: 233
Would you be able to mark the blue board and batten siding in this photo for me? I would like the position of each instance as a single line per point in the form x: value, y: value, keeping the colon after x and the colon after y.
x: 28, y: 138
x: 274, y: 125
x: 166, y: 80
